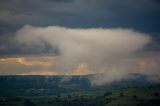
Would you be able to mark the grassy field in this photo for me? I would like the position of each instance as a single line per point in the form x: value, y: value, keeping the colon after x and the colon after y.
x: 123, y: 97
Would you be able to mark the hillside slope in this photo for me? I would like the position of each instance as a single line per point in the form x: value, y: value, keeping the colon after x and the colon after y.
x: 123, y: 97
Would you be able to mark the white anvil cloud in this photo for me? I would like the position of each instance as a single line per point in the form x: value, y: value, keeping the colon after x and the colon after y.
x: 103, y: 50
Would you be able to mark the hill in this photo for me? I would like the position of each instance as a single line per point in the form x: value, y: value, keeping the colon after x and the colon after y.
x: 141, y: 96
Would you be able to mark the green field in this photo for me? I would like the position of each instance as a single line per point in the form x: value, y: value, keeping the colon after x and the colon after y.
x: 142, y: 96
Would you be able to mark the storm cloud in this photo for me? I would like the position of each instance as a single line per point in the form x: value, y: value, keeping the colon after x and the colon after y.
x: 100, y: 50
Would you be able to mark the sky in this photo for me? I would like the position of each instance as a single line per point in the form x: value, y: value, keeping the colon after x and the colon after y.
x: 79, y: 37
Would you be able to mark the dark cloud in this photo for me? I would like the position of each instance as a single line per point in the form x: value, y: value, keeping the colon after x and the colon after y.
x: 60, y: 0
x: 158, y: 1
x: 142, y: 15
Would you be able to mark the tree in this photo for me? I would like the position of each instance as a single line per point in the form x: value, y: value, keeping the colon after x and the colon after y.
x: 107, y: 93
x: 28, y: 102
x: 156, y: 94
x: 121, y: 94
x: 135, y: 97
